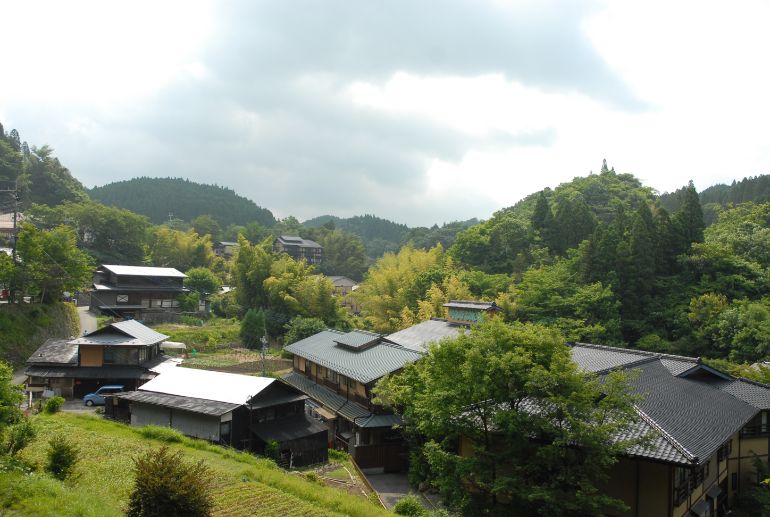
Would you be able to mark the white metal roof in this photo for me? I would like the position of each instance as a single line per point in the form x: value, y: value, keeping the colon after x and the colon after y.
x: 144, y: 270
x: 205, y: 384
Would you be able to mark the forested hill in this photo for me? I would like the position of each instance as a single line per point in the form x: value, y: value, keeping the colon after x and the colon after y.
x: 752, y: 189
x: 158, y: 197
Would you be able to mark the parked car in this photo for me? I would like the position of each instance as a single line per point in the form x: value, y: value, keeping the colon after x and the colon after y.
x: 97, y: 398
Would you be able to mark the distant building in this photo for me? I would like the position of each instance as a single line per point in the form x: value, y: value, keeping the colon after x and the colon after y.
x: 241, y: 411
x: 125, y: 353
x: 6, y: 224
x: 344, y: 286
x: 465, y: 312
x: 137, y: 292
x: 299, y: 248
x: 225, y: 249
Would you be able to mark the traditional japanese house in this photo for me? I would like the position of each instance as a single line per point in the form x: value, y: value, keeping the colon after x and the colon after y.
x: 242, y: 411
x: 299, y: 248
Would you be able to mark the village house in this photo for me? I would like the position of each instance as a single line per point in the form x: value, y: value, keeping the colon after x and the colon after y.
x: 123, y: 353
x: 703, y: 427
x: 137, y: 292
x: 343, y: 288
x: 299, y: 248
x: 338, y: 370
x: 225, y: 249
x: 241, y: 411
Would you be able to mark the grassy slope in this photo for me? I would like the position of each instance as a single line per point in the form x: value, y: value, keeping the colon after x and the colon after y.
x: 213, y: 332
x: 245, y: 485
x: 26, y: 326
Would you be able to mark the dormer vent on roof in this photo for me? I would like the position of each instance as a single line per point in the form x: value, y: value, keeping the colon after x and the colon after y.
x: 357, y: 340
x: 467, y: 312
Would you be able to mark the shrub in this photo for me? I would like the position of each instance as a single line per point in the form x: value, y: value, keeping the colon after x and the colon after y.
x: 336, y: 455
x: 300, y: 327
x: 62, y: 457
x: 271, y: 449
x: 410, y: 506
x: 163, y: 434
x: 253, y: 328
x: 166, y: 485
x: 19, y: 435
x: 54, y: 404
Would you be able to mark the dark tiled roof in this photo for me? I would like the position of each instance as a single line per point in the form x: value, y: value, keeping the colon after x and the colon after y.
x: 194, y: 405
x: 287, y: 429
x: 691, y: 408
x: 365, y: 366
x: 751, y: 392
x: 290, y: 240
x: 89, y: 372
x: 55, y: 351
x: 129, y: 333
x: 418, y: 336
x: 351, y: 411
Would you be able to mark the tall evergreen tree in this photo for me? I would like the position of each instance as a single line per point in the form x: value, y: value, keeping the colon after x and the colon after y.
x: 689, y: 218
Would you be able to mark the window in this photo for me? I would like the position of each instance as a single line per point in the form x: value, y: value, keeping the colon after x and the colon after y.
x: 681, y: 484
x: 757, y: 426
x: 121, y: 298
x: 724, y: 451
x: 350, y: 383
x: 332, y: 376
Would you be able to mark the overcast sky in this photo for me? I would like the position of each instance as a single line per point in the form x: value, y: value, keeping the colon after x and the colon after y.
x: 420, y: 112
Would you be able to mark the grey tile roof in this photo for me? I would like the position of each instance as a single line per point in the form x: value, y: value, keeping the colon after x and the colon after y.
x: 340, y: 281
x: 417, y: 337
x: 599, y: 358
x: 351, y: 411
x: 357, y: 339
x: 657, y: 445
x: 691, y: 408
x: 55, y: 351
x: 751, y: 392
x: 129, y: 332
x: 290, y: 240
x: 365, y: 366
x: 194, y: 405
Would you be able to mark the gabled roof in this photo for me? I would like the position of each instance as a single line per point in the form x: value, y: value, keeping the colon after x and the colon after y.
x: 471, y: 304
x: 358, y: 339
x: 692, y: 408
x: 127, y: 333
x: 365, y: 365
x: 417, y: 337
x: 143, y: 271
x: 55, y: 351
x: 292, y: 240
x: 194, y: 405
x: 342, y: 281
x: 207, y: 385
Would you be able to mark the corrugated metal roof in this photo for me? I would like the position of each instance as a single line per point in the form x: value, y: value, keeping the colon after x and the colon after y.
x: 417, y: 337
x: 89, y: 372
x: 55, y: 351
x: 195, y: 405
x: 362, y: 365
x: 135, y: 329
x: 144, y: 271
x: 206, y: 384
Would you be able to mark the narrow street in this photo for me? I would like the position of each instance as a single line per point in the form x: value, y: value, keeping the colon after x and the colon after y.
x: 87, y: 321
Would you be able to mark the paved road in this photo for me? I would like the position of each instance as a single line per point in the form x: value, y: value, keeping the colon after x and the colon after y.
x: 87, y: 320
x: 392, y: 487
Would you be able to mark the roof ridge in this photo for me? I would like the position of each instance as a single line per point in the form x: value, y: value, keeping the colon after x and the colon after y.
x: 751, y: 381
x: 391, y: 344
x: 636, y: 351
x: 633, y: 364
x: 678, y: 446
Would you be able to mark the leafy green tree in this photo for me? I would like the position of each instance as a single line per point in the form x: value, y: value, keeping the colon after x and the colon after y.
x: 343, y: 254
x: 300, y: 328
x: 202, y: 281
x: 181, y: 250
x: 10, y: 396
x: 10, y: 162
x: 253, y: 328
x: 689, y: 218
x: 537, y: 434
x: 19, y: 435
x: 48, y: 181
x: 206, y: 225
x: 51, y: 263
x: 165, y: 485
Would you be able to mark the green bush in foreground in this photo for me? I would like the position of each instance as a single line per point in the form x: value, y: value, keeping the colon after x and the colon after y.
x: 163, y: 434
x: 54, y: 404
x: 167, y: 485
x: 410, y: 506
x: 62, y: 456
x: 19, y: 436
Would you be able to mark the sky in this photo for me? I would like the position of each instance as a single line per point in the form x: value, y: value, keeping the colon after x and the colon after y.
x: 419, y: 112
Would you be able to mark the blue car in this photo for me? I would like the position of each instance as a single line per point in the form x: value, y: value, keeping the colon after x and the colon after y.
x: 97, y: 398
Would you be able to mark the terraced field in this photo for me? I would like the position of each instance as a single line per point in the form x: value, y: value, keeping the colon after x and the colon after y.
x: 243, y: 484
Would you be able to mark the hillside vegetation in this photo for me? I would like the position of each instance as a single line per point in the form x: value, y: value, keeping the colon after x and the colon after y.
x: 186, y: 200
x: 103, y: 478
x: 25, y: 327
